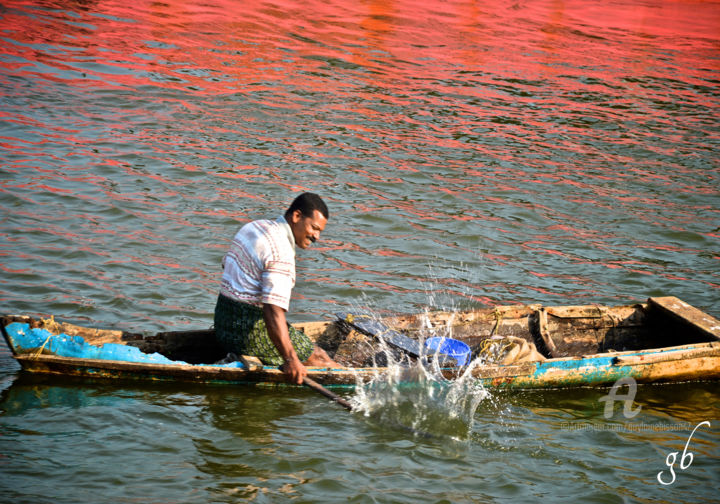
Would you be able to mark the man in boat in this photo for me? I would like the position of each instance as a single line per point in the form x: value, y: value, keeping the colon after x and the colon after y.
x: 257, y: 281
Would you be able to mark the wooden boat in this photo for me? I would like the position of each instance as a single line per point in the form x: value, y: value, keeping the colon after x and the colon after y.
x: 661, y: 340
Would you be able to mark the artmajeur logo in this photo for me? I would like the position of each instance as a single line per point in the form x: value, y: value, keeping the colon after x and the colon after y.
x: 627, y: 399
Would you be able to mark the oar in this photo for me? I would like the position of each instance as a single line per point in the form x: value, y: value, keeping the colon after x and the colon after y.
x: 330, y: 395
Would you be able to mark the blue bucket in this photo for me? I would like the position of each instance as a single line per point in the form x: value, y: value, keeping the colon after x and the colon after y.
x: 450, y: 347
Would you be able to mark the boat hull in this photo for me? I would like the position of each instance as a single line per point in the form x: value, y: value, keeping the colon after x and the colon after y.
x: 685, y: 363
x: 563, y: 329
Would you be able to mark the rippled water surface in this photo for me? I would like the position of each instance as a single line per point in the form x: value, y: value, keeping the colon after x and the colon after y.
x: 471, y: 154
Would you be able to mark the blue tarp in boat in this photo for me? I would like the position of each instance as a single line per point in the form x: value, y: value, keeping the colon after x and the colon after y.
x: 26, y: 339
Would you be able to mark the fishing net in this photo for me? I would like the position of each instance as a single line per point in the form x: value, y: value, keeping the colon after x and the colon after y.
x: 506, y: 350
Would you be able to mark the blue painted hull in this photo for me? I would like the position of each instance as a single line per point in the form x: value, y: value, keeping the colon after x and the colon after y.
x: 114, y: 354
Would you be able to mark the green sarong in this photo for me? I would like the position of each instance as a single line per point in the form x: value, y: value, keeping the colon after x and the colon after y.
x: 240, y: 328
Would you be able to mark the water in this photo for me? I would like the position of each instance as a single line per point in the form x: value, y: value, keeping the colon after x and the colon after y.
x: 471, y: 155
x: 415, y: 396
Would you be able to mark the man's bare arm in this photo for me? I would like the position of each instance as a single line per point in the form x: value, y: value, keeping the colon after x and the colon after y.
x: 277, y: 328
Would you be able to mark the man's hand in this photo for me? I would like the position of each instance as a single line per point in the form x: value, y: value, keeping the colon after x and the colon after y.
x: 294, y: 370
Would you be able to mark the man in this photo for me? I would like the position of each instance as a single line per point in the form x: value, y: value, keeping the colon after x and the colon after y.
x: 257, y: 281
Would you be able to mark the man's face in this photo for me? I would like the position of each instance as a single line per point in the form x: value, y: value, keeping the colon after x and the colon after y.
x: 306, y: 229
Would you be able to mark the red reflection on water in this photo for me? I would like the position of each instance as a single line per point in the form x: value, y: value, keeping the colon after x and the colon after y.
x: 400, y: 63
x: 225, y: 45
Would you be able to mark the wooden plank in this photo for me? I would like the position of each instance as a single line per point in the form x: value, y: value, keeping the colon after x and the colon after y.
x: 251, y: 362
x: 687, y: 314
x: 680, y: 354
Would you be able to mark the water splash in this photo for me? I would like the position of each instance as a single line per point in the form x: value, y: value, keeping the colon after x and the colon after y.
x: 415, y: 395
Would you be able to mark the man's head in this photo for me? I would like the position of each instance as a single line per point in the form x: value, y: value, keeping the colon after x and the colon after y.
x: 307, y: 216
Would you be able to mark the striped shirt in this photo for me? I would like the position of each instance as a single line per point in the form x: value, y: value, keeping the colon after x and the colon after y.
x: 260, y: 265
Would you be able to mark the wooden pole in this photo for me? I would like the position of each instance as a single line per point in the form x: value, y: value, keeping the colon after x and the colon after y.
x: 330, y: 395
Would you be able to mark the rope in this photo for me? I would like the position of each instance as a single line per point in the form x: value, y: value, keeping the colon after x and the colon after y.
x: 37, y: 354
x: 51, y: 326
x: 485, y: 349
x: 498, y: 318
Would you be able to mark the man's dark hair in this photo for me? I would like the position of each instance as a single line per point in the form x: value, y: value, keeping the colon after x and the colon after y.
x: 307, y: 203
